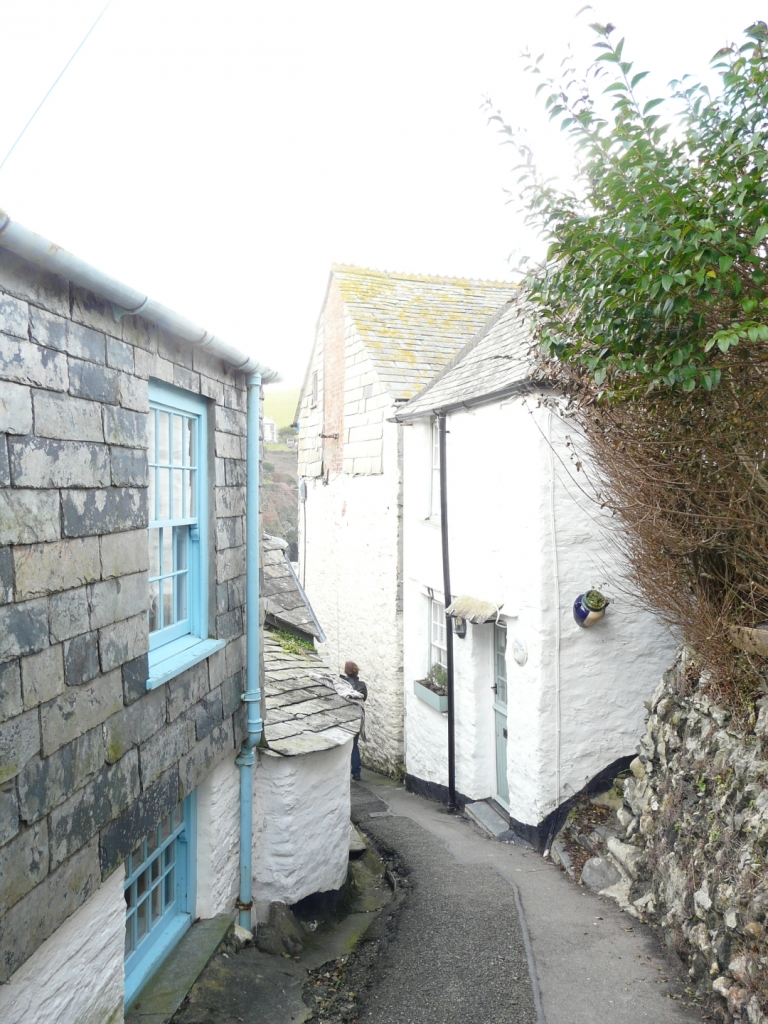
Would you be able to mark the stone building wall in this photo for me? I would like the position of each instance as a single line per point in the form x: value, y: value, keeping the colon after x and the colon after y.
x: 89, y: 760
x: 696, y: 815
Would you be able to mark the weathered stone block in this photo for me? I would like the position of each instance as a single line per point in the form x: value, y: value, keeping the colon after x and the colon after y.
x: 27, y: 281
x: 235, y: 652
x: 5, y: 465
x: 68, y: 614
x: 231, y: 421
x: 19, y: 740
x: 39, y: 462
x: 234, y: 397
x: 23, y: 863
x: 65, y: 418
x: 81, y: 659
x: 9, y: 813
x: 222, y: 599
x: 14, y: 316
x: 42, y: 676
x: 165, y: 748
x: 124, y: 427
x: 93, y: 512
x: 217, y: 668
x: 47, y: 329
x: 230, y: 624
x: 15, y: 408
x: 124, y: 553
x: 234, y: 472
x: 91, y: 380
x: 187, y: 689
x: 208, y: 713
x: 121, y: 837
x: 119, y: 355
x: 44, y: 783
x: 231, y: 692
x: 10, y: 690
x: 230, y: 501
x: 30, y: 364
x: 236, y: 593
x: 117, y: 599
x: 123, y: 641
x: 49, y: 568
x: 230, y: 562
x: 85, y: 343
x: 229, y: 532
x: 229, y: 446
x: 27, y: 516
x: 135, y: 675
x: 187, y: 379
x: 209, y: 387
x: 79, y: 709
x: 37, y: 916
x: 134, y: 393
x: 23, y: 628
x: 100, y: 801
x: 204, y: 757
x: 93, y: 311
x: 134, y: 724
x: 129, y: 467
x: 6, y: 576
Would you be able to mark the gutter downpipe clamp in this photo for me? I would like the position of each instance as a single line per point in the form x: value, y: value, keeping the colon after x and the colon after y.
x: 252, y: 696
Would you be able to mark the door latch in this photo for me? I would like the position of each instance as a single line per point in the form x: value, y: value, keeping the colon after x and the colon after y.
x: 505, y: 733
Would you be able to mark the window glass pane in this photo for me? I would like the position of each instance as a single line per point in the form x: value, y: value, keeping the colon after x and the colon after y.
x: 164, y: 444
x: 151, y: 442
x: 164, y: 510
x: 142, y: 920
x: 181, y: 597
x: 151, y: 495
x: 152, y: 841
x: 178, y: 439
x: 129, y: 935
x: 191, y: 453
x: 142, y: 884
x: 176, y: 512
x: 167, y: 550
x: 157, y: 902
x: 190, y: 487
x: 154, y: 552
x: 154, y: 606
x: 168, y: 602
x: 170, y: 887
x: 181, y: 547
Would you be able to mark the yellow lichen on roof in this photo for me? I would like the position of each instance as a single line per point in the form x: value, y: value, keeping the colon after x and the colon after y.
x: 413, y: 324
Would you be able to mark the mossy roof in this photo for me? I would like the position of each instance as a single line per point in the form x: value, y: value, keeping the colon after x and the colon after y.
x: 413, y: 325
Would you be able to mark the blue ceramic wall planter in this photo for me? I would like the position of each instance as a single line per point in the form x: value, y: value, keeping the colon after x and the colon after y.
x: 589, y: 608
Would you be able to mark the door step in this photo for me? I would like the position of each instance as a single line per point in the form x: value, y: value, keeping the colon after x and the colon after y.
x: 488, y: 815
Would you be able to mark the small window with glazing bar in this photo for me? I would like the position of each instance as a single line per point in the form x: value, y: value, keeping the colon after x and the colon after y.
x: 178, y: 585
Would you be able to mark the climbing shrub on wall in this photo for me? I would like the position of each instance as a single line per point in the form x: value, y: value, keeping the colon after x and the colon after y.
x: 652, y: 312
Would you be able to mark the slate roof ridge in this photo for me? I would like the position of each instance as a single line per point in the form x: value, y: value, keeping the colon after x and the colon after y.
x: 351, y: 268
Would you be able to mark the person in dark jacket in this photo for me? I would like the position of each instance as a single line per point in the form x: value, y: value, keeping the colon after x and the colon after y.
x: 351, y: 676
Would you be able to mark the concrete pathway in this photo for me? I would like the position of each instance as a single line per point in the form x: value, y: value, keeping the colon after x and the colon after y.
x: 491, y: 933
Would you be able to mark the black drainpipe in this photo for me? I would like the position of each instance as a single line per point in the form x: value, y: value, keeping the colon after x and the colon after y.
x: 448, y: 624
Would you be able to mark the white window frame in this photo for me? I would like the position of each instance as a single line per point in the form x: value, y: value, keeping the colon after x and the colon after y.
x: 434, y: 467
x: 185, y: 642
x: 438, y: 651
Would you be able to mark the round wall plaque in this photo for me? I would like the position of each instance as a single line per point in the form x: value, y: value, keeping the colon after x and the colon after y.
x: 519, y: 651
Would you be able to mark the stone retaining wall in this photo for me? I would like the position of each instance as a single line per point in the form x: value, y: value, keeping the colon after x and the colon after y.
x: 696, y: 810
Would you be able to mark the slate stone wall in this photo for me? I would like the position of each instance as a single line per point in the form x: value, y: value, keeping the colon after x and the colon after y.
x: 89, y: 760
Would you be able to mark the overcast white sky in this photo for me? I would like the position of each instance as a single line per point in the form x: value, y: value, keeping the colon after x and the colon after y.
x: 220, y: 155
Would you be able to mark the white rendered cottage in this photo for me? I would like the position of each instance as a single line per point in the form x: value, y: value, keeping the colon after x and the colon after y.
x: 542, y: 705
x: 380, y: 338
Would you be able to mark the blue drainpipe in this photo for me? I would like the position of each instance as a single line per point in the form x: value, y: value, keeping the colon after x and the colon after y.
x: 252, y: 695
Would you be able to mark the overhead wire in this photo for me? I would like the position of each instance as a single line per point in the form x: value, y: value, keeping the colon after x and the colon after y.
x: 56, y: 82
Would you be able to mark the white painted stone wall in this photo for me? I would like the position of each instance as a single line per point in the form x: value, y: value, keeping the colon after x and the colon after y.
x: 349, y: 568
x: 218, y: 840
x: 300, y: 825
x: 500, y: 471
x: 76, y: 976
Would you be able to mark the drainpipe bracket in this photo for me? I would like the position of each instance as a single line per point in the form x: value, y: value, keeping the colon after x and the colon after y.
x: 246, y: 758
x: 239, y: 905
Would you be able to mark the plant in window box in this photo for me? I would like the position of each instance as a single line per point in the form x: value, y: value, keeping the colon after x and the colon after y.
x: 433, y: 689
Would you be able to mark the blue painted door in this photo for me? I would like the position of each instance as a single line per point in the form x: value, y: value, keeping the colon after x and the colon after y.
x: 500, y: 713
x: 159, y: 895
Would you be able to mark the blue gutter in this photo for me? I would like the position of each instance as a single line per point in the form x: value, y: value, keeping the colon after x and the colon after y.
x: 252, y: 695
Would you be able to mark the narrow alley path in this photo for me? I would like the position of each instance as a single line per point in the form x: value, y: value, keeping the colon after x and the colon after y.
x: 459, y: 956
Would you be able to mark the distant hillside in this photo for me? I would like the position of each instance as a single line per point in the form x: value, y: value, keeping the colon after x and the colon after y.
x: 280, y: 406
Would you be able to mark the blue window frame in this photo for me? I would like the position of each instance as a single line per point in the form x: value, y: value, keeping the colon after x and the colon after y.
x: 159, y: 893
x: 178, y: 518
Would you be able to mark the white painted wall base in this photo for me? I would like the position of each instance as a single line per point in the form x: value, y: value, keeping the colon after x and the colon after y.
x: 218, y: 840
x: 300, y: 826
x: 76, y: 976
